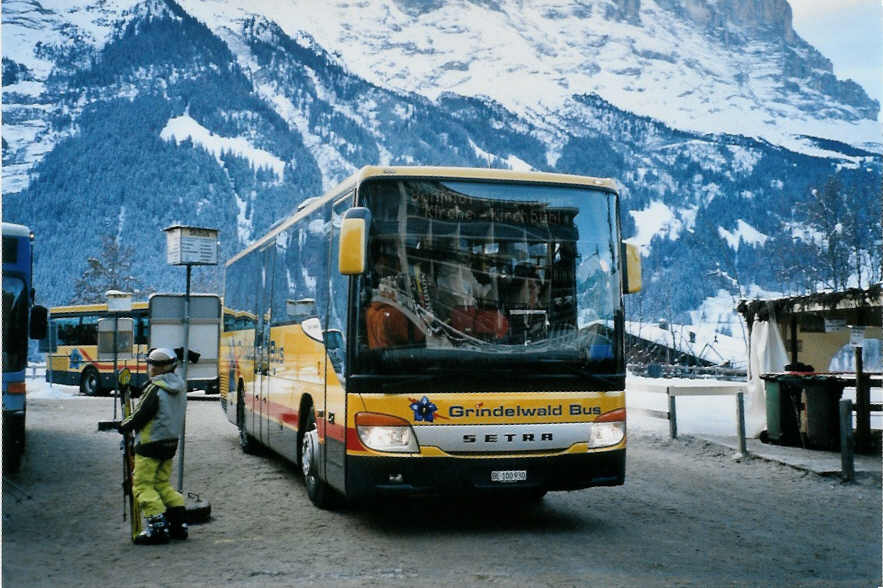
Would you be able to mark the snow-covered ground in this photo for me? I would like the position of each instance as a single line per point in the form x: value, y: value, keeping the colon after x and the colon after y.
x: 38, y: 387
x: 714, y: 415
x: 696, y: 415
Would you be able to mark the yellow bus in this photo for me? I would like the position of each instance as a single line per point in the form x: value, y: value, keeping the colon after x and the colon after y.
x: 435, y: 330
x: 72, y: 347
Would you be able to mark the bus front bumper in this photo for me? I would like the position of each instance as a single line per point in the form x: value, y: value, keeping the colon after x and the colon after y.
x: 377, y: 476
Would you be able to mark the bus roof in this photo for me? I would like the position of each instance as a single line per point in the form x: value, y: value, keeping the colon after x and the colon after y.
x: 89, y: 308
x: 481, y: 173
x: 426, y: 172
x: 14, y: 230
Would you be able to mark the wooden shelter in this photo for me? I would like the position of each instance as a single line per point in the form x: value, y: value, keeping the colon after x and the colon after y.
x: 815, y: 327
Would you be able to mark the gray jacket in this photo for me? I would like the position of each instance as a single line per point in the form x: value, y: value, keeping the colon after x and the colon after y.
x: 159, y: 416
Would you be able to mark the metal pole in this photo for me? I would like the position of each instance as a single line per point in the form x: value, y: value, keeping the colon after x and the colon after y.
x: 847, y: 456
x: 186, y: 363
x: 115, y: 384
x: 740, y: 413
x: 672, y: 415
x: 862, y: 404
x: 53, y: 343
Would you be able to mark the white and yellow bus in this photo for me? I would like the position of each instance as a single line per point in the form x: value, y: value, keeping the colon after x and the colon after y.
x: 435, y: 330
x: 72, y: 347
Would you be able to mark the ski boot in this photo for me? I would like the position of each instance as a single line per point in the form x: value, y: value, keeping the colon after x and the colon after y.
x: 155, y: 532
x: 177, y: 525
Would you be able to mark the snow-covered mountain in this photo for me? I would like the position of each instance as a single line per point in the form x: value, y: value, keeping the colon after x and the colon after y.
x: 718, y: 66
x: 123, y: 116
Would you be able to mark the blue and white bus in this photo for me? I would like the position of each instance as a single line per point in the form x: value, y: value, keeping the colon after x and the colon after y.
x: 21, y: 319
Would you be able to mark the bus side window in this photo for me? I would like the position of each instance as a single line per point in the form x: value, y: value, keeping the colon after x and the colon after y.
x: 229, y: 321
x: 141, y: 329
x: 67, y: 330
x: 88, y: 333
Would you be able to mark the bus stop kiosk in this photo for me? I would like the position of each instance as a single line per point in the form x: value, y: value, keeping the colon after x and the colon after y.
x: 814, y: 328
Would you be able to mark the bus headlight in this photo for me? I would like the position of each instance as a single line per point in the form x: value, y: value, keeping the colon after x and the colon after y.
x: 608, y: 429
x: 605, y: 434
x: 383, y: 432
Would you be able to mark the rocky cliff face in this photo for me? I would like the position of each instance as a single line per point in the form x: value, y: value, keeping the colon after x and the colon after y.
x: 704, y: 65
x: 771, y: 15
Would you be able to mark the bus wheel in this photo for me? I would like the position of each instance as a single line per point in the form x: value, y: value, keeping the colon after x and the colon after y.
x: 535, y: 495
x: 317, y: 489
x: 248, y: 443
x: 13, y: 443
x: 11, y: 458
x: 89, y: 383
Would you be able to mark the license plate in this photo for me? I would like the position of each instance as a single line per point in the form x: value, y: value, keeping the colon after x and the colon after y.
x: 508, y: 475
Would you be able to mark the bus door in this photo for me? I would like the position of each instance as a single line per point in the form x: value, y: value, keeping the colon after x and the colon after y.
x: 335, y: 345
x: 263, y: 343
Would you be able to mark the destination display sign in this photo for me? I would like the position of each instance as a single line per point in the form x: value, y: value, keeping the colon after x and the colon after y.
x: 191, y: 246
x: 454, y: 207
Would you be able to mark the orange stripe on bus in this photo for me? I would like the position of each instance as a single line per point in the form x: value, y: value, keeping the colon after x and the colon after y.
x: 16, y: 388
x: 282, y: 413
x: 337, y: 432
x: 103, y: 365
x: 352, y: 440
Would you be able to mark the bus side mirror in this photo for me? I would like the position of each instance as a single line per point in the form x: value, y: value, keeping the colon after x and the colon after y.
x: 353, y: 250
x: 39, y: 325
x: 632, y: 274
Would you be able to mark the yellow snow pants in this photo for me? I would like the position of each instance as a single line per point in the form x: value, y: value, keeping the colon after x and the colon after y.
x: 150, y: 483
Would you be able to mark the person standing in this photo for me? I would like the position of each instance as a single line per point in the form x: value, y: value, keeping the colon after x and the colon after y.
x: 158, y: 421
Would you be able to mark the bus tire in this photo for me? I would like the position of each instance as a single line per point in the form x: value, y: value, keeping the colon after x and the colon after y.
x: 318, y: 491
x: 535, y: 495
x: 13, y: 443
x: 11, y: 458
x: 248, y: 443
x: 90, y: 383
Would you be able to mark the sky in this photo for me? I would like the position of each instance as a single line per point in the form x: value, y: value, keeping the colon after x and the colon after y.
x: 849, y: 33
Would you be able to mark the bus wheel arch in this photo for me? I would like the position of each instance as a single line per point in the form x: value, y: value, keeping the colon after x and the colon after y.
x: 306, y: 405
x: 240, y: 403
x: 90, y: 381
x: 248, y: 443
x: 318, y: 490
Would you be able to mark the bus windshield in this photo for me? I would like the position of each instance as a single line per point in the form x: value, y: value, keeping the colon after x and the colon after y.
x: 469, y: 275
x: 15, y: 327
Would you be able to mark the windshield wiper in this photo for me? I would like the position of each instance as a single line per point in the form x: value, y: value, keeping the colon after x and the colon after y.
x: 480, y: 377
x: 391, y: 382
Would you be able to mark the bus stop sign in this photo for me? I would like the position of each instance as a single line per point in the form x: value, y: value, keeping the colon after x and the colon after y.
x: 191, y: 245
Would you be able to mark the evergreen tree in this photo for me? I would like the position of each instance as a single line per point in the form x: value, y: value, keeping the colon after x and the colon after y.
x: 112, y: 271
x: 843, y: 234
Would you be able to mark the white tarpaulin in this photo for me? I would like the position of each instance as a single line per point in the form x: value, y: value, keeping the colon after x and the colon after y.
x: 766, y: 355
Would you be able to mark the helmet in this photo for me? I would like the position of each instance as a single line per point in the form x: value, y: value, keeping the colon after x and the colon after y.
x: 162, y: 356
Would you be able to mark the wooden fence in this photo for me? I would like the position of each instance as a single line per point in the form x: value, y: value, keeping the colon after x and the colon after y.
x: 697, y: 388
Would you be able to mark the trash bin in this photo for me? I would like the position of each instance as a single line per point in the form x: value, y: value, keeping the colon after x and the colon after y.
x: 820, y: 418
x: 782, y: 408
